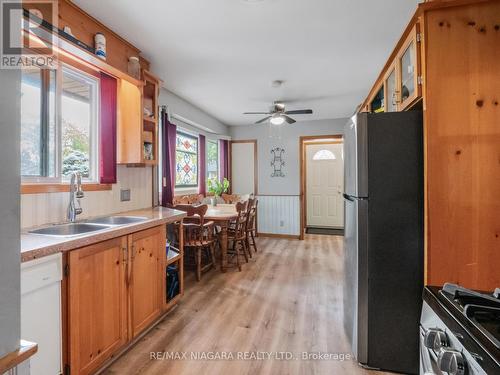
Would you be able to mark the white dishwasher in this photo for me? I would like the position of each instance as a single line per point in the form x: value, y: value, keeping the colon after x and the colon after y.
x: 41, y: 312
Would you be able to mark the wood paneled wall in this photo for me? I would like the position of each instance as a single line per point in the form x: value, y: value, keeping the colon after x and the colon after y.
x: 279, y: 214
x: 462, y: 120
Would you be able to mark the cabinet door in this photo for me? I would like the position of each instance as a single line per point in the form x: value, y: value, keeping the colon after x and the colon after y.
x: 129, y: 124
x: 392, y: 95
x: 409, y: 70
x: 377, y: 103
x: 97, y: 308
x: 147, y: 254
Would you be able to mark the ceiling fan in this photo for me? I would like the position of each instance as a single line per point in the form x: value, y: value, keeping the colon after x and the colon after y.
x: 278, y: 115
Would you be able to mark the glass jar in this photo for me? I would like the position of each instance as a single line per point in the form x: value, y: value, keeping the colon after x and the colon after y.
x: 134, y: 68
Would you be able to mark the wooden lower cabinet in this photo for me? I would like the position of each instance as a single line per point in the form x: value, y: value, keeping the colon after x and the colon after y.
x: 114, y: 292
x: 97, y: 304
x: 146, y: 281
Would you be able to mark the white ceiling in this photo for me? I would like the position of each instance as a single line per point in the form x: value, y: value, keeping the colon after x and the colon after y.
x: 222, y: 55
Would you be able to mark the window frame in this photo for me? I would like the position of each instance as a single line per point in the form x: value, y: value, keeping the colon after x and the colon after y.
x: 36, y: 184
x: 94, y: 126
x: 44, y: 129
x: 197, y: 153
x: 216, y: 142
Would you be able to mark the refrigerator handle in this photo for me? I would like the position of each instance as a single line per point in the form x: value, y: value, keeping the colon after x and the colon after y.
x: 349, y: 198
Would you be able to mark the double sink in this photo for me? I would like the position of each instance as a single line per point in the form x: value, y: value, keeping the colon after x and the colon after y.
x: 91, y: 225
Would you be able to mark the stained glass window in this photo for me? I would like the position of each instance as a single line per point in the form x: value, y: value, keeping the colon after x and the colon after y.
x: 186, y: 161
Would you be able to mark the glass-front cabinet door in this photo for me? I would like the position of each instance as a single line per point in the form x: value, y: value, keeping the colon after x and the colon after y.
x: 408, y: 86
x: 377, y: 104
x: 392, y: 97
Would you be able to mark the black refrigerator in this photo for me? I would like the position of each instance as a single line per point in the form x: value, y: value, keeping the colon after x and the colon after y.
x: 383, y: 242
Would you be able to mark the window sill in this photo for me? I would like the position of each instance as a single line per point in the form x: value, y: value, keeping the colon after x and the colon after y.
x: 186, y: 191
x: 28, y: 188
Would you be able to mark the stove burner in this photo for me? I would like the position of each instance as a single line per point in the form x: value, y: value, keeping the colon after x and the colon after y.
x: 486, y: 319
x: 464, y: 296
x: 481, y: 309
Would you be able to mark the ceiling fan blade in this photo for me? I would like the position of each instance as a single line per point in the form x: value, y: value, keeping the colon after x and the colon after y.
x: 263, y: 120
x: 256, y: 113
x: 299, y: 112
x: 289, y: 119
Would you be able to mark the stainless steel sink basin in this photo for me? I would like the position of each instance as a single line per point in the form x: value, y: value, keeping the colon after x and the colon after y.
x: 117, y: 220
x: 71, y: 229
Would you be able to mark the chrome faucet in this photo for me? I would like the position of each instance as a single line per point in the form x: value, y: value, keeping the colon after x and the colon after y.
x: 75, y: 193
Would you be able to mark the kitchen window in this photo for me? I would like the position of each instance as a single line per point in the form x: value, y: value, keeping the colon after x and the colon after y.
x: 186, y: 161
x: 212, y: 160
x: 59, y: 125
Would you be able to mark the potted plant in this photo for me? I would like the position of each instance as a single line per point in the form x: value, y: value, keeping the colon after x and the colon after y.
x: 216, y: 188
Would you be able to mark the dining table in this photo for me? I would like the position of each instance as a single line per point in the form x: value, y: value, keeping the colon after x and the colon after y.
x: 222, y: 214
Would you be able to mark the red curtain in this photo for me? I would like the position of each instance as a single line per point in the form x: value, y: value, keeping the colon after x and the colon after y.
x: 202, y: 185
x: 169, y: 134
x: 107, y: 144
x: 223, y: 160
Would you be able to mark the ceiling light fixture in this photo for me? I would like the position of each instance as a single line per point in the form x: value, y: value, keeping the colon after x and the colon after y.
x: 277, y: 83
x: 277, y: 119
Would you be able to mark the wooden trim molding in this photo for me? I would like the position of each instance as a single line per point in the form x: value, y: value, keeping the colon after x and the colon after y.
x: 60, y: 188
x: 279, y: 235
x: 303, y: 141
x: 11, y: 360
x: 278, y: 195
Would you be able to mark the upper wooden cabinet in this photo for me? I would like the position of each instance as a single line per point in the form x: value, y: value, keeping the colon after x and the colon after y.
x: 129, y: 124
x: 399, y: 85
x: 137, y: 128
x: 97, y: 305
x: 408, y: 70
x: 391, y: 90
x: 446, y: 63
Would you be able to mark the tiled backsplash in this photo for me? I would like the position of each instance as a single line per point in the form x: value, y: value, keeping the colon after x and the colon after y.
x: 40, y: 209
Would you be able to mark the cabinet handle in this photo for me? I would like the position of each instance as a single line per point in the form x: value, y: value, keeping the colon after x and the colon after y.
x: 395, y: 98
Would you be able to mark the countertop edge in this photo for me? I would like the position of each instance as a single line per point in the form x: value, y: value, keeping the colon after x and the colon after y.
x: 74, y: 243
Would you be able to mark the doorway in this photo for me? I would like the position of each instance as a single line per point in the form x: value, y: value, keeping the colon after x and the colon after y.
x: 322, y: 184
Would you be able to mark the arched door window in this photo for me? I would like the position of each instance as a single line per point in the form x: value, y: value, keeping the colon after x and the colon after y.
x: 324, y: 155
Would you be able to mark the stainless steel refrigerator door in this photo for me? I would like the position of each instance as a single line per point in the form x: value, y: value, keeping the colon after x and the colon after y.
x: 350, y: 287
x: 356, y: 157
x: 355, y: 242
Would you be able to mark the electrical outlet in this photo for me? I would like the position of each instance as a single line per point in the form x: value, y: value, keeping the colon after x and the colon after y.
x: 124, y: 195
x: 282, y: 223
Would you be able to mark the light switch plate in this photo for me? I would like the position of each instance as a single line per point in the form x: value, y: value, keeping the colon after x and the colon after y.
x: 124, y: 195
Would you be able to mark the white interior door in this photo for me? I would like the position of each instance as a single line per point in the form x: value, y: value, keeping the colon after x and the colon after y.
x: 324, y: 185
x: 242, y: 167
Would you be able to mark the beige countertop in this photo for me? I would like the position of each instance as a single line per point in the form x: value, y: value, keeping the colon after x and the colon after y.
x: 35, y: 246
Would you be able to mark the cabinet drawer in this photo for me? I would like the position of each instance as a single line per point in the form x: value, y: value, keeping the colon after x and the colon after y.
x: 41, y: 272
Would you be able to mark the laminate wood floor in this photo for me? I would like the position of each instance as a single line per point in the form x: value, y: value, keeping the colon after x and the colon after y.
x: 287, y: 299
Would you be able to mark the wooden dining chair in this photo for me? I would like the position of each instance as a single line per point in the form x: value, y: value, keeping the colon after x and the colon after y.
x: 237, y: 233
x: 251, y: 229
x: 199, y: 240
x: 231, y: 198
